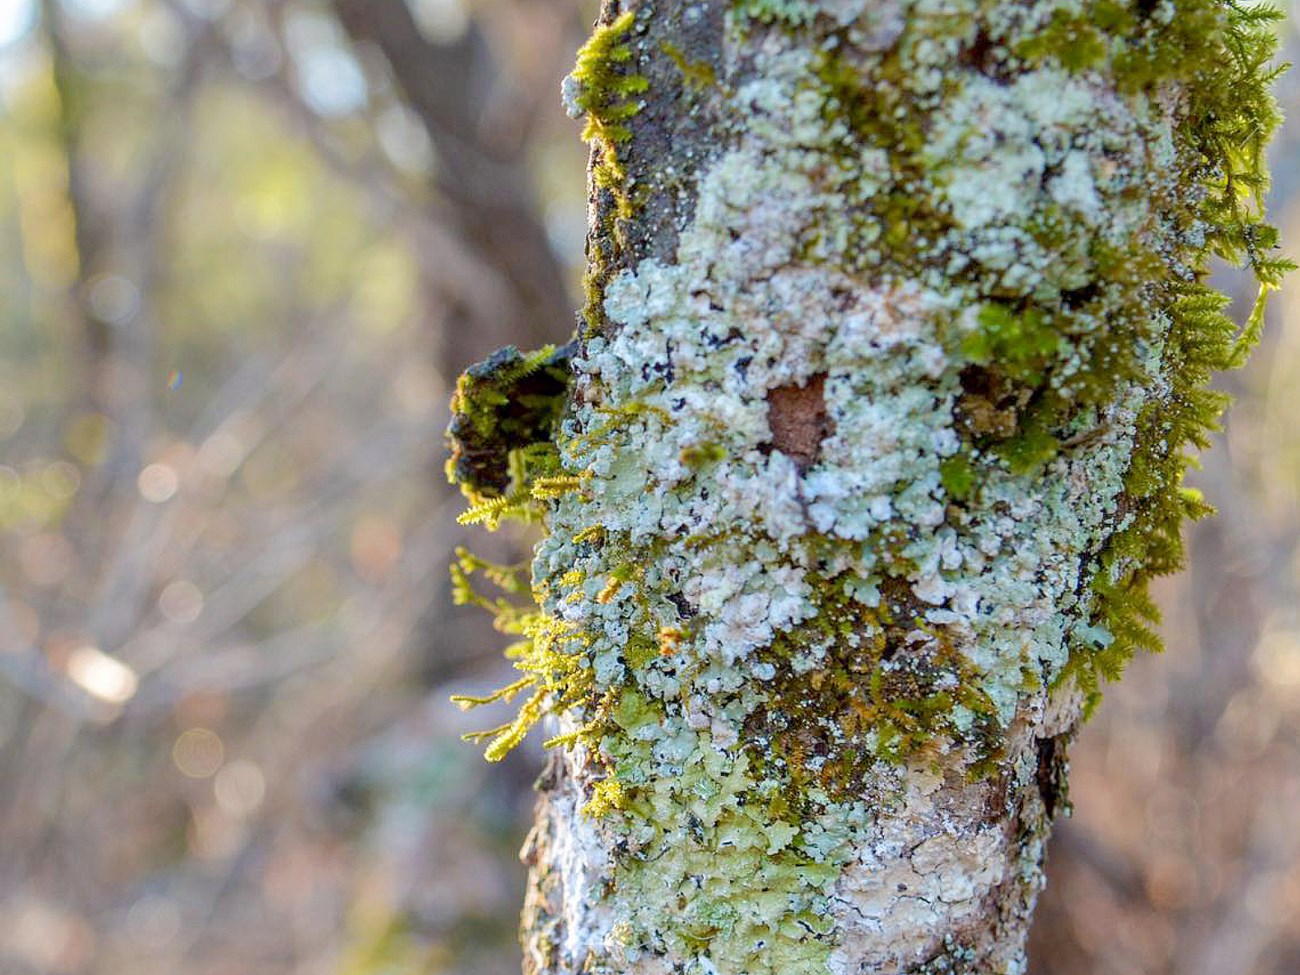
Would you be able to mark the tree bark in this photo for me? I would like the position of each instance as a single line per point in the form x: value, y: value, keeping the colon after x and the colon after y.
x: 893, y: 342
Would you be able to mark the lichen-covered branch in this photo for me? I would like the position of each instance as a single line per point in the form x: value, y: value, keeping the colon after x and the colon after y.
x: 896, y: 342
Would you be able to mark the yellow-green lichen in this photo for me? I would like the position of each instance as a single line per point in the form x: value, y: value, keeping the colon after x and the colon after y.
x: 697, y: 75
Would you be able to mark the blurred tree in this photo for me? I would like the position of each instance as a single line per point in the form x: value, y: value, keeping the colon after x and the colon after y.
x: 483, y: 172
x: 873, y: 446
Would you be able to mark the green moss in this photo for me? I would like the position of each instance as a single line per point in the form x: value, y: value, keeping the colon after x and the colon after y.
x: 1021, y: 342
x: 1222, y: 51
x: 607, y: 92
x: 896, y: 225
x: 871, y: 685
x: 697, y: 75
x: 957, y: 474
x: 507, y: 404
x: 1077, y: 41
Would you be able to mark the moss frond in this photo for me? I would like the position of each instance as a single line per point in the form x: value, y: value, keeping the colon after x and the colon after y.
x: 1230, y: 116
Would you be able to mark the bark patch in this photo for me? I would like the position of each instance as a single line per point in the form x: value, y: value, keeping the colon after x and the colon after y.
x: 799, y: 420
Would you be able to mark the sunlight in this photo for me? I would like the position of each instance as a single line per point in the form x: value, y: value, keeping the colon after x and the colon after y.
x: 16, y: 19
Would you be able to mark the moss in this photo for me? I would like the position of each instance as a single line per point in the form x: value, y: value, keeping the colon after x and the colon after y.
x: 875, y: 684
x: 509, y: 402
x: 1222, y: 53
x: 697, y: 75
x: 608, y: 94
x: 1021, y: 342
x: 605, y: 90
x: 895, y: 225
x: 958, y: 476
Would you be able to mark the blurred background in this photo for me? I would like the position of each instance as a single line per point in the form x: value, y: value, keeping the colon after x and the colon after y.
x: 245, y: 248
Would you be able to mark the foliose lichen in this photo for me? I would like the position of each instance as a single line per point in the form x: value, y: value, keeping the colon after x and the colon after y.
x: 857, y: 497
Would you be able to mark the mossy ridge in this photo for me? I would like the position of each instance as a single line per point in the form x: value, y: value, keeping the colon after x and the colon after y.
x: 1228, y: 117
x: 849, y: 694
x: 605, y: 90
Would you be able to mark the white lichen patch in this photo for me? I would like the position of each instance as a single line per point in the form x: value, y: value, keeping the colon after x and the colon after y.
x: 997, y: 147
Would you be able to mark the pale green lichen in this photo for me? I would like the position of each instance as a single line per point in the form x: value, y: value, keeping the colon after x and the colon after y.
x: 976, y: 231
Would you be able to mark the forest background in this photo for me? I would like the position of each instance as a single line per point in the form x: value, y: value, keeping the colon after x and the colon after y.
x: 245, y: 247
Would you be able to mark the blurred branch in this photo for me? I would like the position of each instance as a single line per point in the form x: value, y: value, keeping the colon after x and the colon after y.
x: 463, y: 277
x: 482, y: 170
x: 119, y: 354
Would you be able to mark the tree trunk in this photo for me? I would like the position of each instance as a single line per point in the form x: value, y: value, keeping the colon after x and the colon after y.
x: 893, y: 343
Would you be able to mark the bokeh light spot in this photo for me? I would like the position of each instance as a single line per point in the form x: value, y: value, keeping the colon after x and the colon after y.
x: 157, y: 483
x: 102, y: 676
x: 240, y: 788
x: 198, y: 753
x: 114, y: 299
x: 181, y: 601
x: 1277, y: 659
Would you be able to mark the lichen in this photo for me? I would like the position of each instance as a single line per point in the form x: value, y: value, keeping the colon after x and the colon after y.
x: 697, y: 75
x: 857, y: 495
